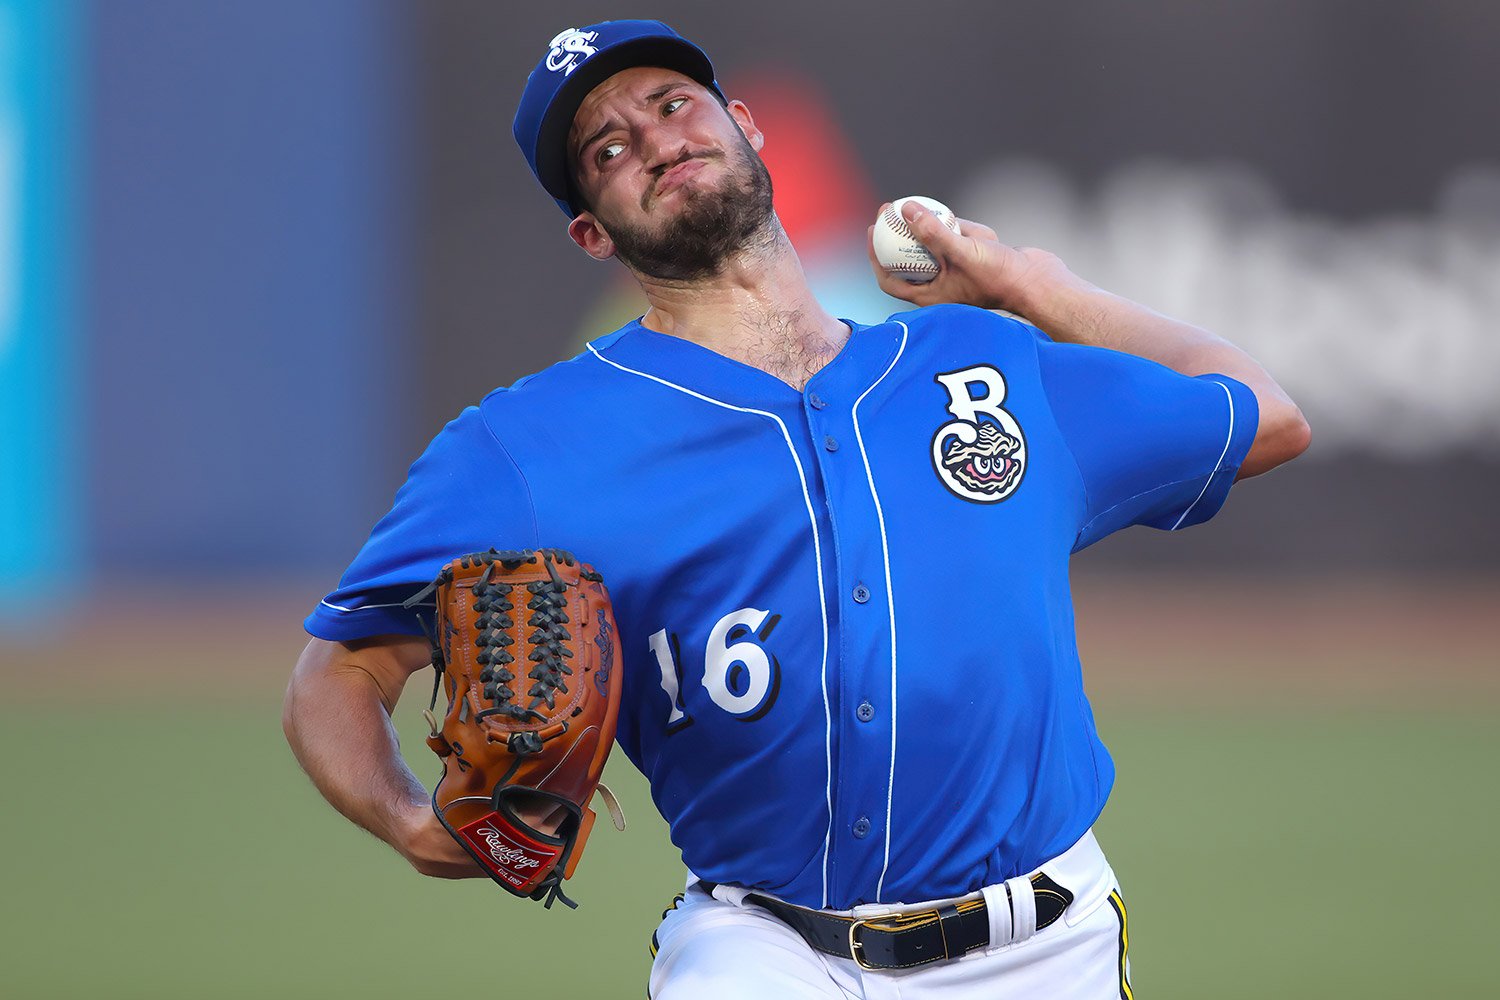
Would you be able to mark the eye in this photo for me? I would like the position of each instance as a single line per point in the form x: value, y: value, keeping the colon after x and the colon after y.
x: 982, y: 465
x: 609, y: 151
x: 672, y: 105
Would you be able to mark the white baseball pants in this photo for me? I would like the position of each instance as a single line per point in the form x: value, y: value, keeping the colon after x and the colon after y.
x: 721, y: 948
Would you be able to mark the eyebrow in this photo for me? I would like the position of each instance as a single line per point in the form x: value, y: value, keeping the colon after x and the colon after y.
x: 612, y: 124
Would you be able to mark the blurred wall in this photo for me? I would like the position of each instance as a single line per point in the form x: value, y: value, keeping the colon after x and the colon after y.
x: 310, y: 239
x: 249, y: 327
x: 1317, y: 179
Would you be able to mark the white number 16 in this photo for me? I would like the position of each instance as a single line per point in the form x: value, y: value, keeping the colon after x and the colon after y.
x: 738, y: 675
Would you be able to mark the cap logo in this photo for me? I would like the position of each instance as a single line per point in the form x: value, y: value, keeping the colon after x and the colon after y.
x: 570, y: 49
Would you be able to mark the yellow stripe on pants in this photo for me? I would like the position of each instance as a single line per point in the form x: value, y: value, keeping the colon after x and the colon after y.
x: 1118, y: 903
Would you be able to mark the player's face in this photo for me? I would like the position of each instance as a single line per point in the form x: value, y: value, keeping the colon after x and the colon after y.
x: 673, y: 178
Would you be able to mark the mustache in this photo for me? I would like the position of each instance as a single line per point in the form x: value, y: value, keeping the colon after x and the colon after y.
x: 660, y: 171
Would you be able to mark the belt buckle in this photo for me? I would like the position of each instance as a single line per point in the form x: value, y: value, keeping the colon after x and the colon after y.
x: 856, y: 950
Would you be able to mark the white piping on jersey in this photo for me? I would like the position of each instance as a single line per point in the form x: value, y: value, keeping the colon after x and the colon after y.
x: 1217, y: 464
x: 890, y: 601
x: 822, y: 596
x: 367, y: 607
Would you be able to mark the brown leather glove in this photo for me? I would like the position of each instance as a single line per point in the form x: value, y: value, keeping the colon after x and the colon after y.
x: 525, y: 645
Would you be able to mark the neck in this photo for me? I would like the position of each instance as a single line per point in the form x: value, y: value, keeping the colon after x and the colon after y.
x: 757, y: 309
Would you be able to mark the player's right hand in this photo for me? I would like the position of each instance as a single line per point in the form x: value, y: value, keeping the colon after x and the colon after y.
x: 975, y: 267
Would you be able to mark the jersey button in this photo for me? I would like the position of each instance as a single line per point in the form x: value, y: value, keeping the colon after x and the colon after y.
x: 865, y: 712
x: 831, y: 443
x: 818, y: 402
x: 862, y: 827
x: 861, y: 594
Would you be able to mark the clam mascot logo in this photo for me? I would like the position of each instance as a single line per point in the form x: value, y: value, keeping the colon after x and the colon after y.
x: 981, y: 454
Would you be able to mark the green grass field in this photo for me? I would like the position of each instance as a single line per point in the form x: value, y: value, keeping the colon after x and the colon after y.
x: 164, y: 850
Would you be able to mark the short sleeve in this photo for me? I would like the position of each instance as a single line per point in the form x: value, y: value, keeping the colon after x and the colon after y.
x: 1153, y: 447
x: 464, y: 494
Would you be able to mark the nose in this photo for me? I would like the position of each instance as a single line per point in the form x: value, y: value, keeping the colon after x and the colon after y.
x: 660, y: 149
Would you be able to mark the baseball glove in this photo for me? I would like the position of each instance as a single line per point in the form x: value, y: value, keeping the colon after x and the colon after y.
x: 524, y: 644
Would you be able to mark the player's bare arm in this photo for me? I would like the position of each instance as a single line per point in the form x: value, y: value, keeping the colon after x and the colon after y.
x: 978, y: 269
x: 337, y: 718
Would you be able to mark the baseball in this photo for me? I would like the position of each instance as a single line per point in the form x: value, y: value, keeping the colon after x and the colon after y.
x: 898, y: 250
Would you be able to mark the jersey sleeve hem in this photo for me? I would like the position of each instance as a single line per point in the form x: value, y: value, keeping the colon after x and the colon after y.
x: 340, y: 624
x: 1242, y: 419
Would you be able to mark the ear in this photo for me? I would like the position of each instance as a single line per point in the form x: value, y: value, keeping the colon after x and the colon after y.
x: 741, y: 115
x: 586, y: 231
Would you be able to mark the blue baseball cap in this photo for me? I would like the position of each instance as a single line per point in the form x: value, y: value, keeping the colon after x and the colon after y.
x: 577, y: 61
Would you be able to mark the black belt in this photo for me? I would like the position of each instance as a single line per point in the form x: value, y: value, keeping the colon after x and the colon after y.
x: 905, y: 940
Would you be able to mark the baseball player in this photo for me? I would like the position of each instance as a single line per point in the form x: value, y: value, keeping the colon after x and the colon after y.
x: 838, y: 555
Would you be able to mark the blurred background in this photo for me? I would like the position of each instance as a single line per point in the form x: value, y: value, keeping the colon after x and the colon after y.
x: 253, y: 256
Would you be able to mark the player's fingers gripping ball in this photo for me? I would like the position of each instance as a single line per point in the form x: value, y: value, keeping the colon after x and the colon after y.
x: 524, y: 645
x: 898, y: 250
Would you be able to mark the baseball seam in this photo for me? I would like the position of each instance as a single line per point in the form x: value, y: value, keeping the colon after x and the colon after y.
x: 898, y: 225
x: 897, y: 222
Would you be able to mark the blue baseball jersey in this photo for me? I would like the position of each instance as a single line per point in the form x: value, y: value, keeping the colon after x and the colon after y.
x: 850, y: 666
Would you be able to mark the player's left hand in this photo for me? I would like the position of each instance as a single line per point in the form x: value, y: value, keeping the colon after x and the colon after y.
x: 976, y: 268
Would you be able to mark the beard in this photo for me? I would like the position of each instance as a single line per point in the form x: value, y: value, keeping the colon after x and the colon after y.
x: 713, y: 224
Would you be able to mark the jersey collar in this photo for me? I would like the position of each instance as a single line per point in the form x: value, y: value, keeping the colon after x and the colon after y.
x: 864, y: 356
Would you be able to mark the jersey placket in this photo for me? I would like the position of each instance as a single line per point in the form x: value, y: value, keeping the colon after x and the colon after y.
x: 861, y: 675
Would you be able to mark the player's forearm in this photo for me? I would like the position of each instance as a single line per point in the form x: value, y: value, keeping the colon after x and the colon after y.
x: 337, y: 721
x: 1070, y: 309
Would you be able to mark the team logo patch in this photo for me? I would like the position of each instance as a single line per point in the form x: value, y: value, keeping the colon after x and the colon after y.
x: 980, y: 455
x: 569, y: 49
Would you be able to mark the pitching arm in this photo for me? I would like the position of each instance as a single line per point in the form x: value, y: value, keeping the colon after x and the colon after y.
x: 977, y: 269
